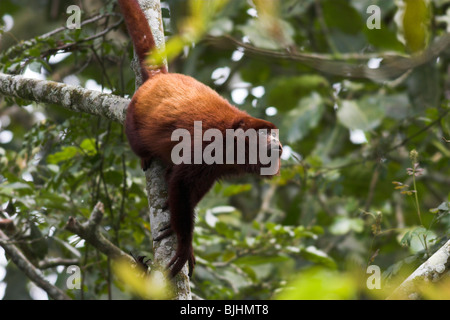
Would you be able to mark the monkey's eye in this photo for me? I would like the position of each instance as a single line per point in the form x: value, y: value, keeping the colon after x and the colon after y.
x: 263, y: 132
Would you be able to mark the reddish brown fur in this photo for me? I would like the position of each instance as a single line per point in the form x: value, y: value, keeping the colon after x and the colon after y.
x: 169, y: 101
x: 140, y: 34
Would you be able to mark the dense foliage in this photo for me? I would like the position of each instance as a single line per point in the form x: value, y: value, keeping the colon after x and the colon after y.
x: 365, y: 175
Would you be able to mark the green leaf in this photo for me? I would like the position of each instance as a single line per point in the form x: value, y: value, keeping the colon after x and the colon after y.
x: 414, y: 23
x: 224, y: 230
x: 67, y: 153
x: 305, y: 117
x: 53, y: 200
x: 444, y: 207
x: 88, y: 146
x: 35, y: 66
x: 415, y: 239
x: 365, y: 114
x: 258, y: 34
x: 383, y: 38
x: 302, y: 232
x: 317, y: 256
x: 250, y: 272
x: 406, y: 239
x: 340, y: 14
x: 285, y: 92
x: 34, y: 52
x: 236, y: 189
x: 15, y: 188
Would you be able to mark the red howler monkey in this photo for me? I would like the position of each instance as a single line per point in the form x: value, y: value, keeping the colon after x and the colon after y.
x: 166, y: 102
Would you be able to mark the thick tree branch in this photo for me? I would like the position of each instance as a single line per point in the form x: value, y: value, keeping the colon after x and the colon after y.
x: 431, y: 270
x: 155, y: 182
x: 31, y: 272
x: 71, y: 97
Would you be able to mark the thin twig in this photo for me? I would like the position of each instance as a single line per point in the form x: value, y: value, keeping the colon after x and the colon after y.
x: 55, y: 262
x: 69, y: 46
x: 373, y: 184
x: 29, y: 43
x: 420, y: 131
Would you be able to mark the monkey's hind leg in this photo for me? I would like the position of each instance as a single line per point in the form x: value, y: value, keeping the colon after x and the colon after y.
x: 181, y: 220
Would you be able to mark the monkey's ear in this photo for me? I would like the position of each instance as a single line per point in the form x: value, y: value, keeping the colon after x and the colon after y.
x: 239, y: 124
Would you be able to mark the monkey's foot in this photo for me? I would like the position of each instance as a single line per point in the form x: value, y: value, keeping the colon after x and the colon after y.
x: 179, y: 260
x: 140, y: 262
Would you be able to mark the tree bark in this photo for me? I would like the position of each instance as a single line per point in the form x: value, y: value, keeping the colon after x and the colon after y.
x: 156, y: 184
x: 431, y: 270
x: 74, y: 98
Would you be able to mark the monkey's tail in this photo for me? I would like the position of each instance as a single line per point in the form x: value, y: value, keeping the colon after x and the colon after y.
x: 141, y: 35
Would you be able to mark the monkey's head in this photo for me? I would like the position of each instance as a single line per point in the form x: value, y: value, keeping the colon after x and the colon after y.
x: 263, y: 148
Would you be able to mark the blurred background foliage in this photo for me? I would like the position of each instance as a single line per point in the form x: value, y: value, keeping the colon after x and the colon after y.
x: 350, y: 193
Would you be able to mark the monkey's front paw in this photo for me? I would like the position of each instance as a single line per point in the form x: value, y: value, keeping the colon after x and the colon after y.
x: 166, y: 231
x: 145, y: 163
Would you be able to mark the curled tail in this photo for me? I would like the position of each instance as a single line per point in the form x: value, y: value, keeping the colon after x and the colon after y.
x: 141, y: 35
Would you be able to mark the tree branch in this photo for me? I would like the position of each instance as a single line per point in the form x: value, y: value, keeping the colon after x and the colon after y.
x: 74, y: 98
x: 70, y: 46
x: 20, y: 47
x: 30, y: 271
x: 392, y: 65
x: 155, y: 182
x: 90, y: 231
x: 55, y: 262
x: 431, y: 270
